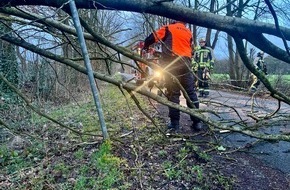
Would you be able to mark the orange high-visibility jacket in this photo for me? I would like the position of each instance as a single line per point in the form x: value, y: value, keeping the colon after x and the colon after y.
x: 176, y: 39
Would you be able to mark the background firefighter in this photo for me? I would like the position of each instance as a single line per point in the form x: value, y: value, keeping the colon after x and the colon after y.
x: 260, y: 65
x: 176, y: 41
x: 202, y: 65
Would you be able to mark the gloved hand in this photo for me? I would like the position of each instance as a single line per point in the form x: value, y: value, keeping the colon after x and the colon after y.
x: 194, y: 65
x: 145, y: 48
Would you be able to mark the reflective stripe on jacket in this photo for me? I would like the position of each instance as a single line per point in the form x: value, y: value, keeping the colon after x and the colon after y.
x: 202, y: 58
x: 259, y: 63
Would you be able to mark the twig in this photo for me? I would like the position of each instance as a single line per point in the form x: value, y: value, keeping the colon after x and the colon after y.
x: 22, y: 96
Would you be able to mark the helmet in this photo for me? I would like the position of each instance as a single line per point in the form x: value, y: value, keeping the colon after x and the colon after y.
x: 201, y: 40
x: 173, y: 21
x: 261, y: 53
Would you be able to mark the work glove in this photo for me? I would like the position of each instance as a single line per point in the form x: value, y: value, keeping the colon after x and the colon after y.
x: 194, y: 65
x: 194, y: 68
x: 144, y: 50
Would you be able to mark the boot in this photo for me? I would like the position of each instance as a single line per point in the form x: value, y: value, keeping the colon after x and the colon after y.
x: 197, y: 126
x: 172, y: 127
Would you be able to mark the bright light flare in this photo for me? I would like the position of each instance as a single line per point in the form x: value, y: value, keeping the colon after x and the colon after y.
x: 157, y: 74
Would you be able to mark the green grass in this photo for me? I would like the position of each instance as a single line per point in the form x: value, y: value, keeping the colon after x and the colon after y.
x: 12, y: 160
x: 182, y: 169
x: 106, y: 167
x: 98, y: 170
x: 272, y: 78
x: 64, y: 161
x: 279, y: 78
x: 220, y: 77
x: 117, y: 110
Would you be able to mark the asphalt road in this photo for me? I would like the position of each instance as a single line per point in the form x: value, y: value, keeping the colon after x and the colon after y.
x: 274, y: 154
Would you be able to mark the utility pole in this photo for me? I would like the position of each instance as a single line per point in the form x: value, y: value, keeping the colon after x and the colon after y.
x: 86, y: 57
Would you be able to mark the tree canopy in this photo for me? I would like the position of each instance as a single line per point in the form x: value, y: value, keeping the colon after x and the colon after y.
x: 252, y: 31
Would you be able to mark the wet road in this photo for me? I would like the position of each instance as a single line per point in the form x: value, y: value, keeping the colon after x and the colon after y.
x: 274, y: 154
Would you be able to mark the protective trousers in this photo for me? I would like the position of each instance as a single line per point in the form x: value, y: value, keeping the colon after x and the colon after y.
x: 203, y: 86
x: 186, y: 79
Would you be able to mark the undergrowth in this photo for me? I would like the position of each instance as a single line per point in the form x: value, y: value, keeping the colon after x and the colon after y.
x: 137, y: 156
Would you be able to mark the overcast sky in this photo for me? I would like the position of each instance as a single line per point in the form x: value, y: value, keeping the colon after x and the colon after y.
x: 221, y: 51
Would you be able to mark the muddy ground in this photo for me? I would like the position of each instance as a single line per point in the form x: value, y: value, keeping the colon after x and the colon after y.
x: 145, y: 158
x: 238, y: 159
x: 246, y: 170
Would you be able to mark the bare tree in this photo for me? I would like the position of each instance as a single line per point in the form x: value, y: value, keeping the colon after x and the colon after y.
x: 8, y: 64
x: 238, y: 28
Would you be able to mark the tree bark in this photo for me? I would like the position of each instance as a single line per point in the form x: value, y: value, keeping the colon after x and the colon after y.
x: 244, y: 28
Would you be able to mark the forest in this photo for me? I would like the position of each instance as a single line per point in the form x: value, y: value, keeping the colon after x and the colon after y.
x: 69, y: 118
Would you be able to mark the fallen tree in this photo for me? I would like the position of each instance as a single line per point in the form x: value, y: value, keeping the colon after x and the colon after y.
x: 240, y: 29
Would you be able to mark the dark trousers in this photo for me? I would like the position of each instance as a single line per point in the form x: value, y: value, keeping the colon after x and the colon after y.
x: 186, y: 79
x: 203, y: 86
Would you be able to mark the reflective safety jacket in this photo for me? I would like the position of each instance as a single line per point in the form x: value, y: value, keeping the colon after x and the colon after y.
x: 260, y: 64
x: 176, y: 40
x: 203, y: 57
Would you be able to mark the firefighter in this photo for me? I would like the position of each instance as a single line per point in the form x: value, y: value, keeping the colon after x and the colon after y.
x: 176, y: 40
x: 202, y: 65
x: 260, y: 65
